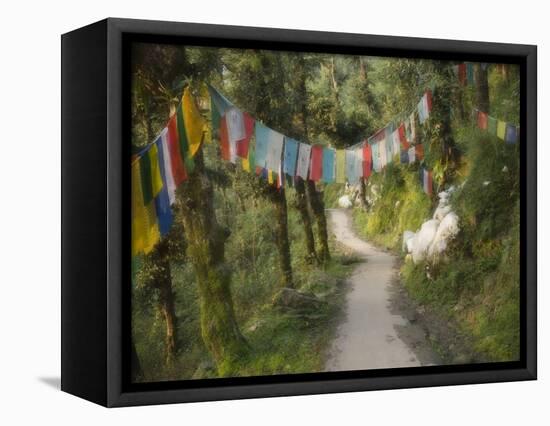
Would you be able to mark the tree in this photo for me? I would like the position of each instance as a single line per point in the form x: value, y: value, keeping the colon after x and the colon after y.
x: 206, y: 250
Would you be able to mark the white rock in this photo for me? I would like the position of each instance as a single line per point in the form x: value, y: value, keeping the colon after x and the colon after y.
x: 407, y: 244
x: 345, y: 202
x: 487, y: 182
x: 423, y: 239
x: 446, y: 231
x: 441, y: 212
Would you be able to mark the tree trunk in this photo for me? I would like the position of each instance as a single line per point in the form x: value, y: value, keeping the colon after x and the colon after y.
x: 301, y: 204
x: 363, y: 194
x: 167, y: 307
x: 482, y: 88
x: 135, y: 366
x: 206, y: 250
x: 318, y: 208
x: 278, y: 198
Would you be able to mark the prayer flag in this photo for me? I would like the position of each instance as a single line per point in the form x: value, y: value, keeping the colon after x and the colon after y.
x: 166, y: 166
x: 367, y: 160
x: 383, y: 153
x: 290, y: 156
x: 194, y: 123
x: 429, y: 101
x: 404, y: 156
x: 244, y: 143
x: 501, y: 129
x: 359, y: 162
x: 412, y: 154
x: 375, y: 151
x: 235, y: 124
x: 182, y: 136
x: 403, y: 137
x: 274, y: 150
x: 139, y: 226
x: 470, y: 72
x: 219, y: 101
x: 162, y: 200
x: 482, y: 120
x: 462, y: 73
x: 302, y: 167
x: 428, y: 184
x: 341, y: 166
x: 422, y: 109
x: 492, y: 125
x: 396, y: 142
x: 172, y: 140
x: 511, y: 133
x: 411, y: 128
x: 316, y: 166
x: 225, y: 148
x: 419, y: 152
x: 350, y: 167
x: 262, y: 141
x: 328, y: 165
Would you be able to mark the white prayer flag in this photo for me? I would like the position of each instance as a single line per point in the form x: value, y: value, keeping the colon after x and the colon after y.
x: 302, y: 167
x: 412, y: 154
x: 274, y: 151
x: 170, y: 185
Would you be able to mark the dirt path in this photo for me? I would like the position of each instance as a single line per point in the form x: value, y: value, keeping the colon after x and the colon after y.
x: 373, y: 335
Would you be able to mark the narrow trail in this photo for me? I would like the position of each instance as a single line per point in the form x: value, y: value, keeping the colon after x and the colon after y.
x: 369, y: 337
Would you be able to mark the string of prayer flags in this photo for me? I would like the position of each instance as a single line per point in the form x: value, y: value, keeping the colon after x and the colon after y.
x: 503, y: 130
x: 302, y: 166
x: 367, y: 160
x: 316, y: 166
x: 290, y: 156
x: 341, y: 166
x: 328, y: 165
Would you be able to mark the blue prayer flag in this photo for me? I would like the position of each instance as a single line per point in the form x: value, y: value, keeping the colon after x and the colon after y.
x: 221, y: 103
x: 351, y: 174
x: 328, y: 165
x: 290, y: 156
x: 162, y: 200
x: 262, y: 143
x: 404, y: 156
x: 511, y: 133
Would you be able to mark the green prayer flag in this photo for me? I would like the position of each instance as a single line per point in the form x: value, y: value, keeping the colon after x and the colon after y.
x: 146, y: 182
x: 492, y: 125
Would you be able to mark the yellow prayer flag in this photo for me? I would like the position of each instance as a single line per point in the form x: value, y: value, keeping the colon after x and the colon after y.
x: 246, y: 164
x: 270, y: 179
x: 156, y: 178
x: 194, y: 123
x: 340, y: 166
x: 153, y: 234
x: 139, y: 228
x: 501, y: 129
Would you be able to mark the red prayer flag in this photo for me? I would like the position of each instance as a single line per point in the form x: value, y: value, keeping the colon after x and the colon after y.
x: 242, y: 145
x: 482, y: 120
x: 178, y: 168
x: 403, y: 137
x: 367, y: 160
x: 316, y: 168
x: 224, y: 140
x: 462, y: 74
x: 419, y: 152
x: 429, y: 97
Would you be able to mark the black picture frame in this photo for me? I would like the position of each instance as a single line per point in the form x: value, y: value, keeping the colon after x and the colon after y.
x: 95, y: 203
